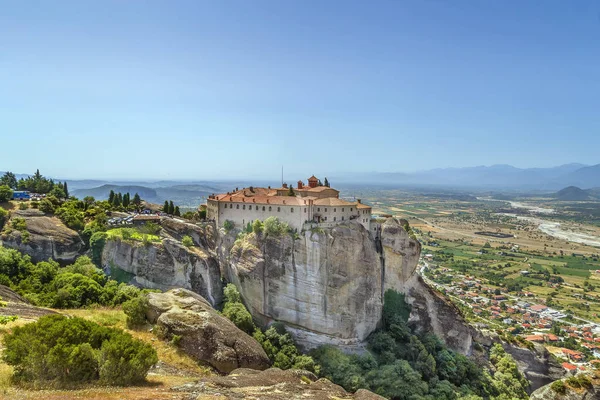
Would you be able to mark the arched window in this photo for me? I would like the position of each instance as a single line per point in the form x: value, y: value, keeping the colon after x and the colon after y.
x: 269, y: 208
x: 304, y: 209
x: 351, y: 210
x: 237, y: 206
x: 334, y: 210
x: 244, y: 207
x: 263, y: 208
x: 292, y: 208
x: 318, y: 209
x: 278, y: 209
x: 325, y: 210
x: 342, y: 210
x: 342, y: 217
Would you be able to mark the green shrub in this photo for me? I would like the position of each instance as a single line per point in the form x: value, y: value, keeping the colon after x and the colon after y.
x: 558, y: 387
x: 257, y: 227
x: 187, y: 241
x: 274, y: 227
x: 3, y: 217
x: 23, y: 206
x: 175, y: 340
x: 97, y: 242
x: 35, y: 204
x: 239, y: 315
x: 135, y: 310
x: 46, y: 206
x: 228, y: 225
x: 62, y: 350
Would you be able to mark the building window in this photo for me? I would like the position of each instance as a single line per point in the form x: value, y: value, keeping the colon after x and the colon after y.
x: 237, y: 206
x: 325, y: 219
x: 304, y: 209
x: 350, y: 210
x: 269, y: 208
x: 325, y: 210
x: 342, y: 210
x: 292, y: 209
x: 342, y: 217
x: 263, y: 208
x: 334, y: 218
x: 244, y: 207
x: 334, y: 210
x: 318, y: 209
x: 278, y: 209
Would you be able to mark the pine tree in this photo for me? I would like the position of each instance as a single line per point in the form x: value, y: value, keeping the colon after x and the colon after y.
x: 326, y: 182
x: 137, y: 200
x: 120, y: 196
x: 66, y: 189
x: 111, y: 197
x: 126, y: 200
x: 171, y: 208
x: 116, y: 201
x: 291, y: 192
x: 319, y: 183
x: 177, y: 212
x: 166, y: 207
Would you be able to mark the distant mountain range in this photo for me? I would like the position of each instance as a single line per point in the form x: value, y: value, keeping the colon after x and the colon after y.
x: 489, y: 177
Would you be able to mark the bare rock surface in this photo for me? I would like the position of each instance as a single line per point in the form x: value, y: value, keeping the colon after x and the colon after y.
x: 272, y: 384
x: 569, y: 393
x: 48, y: 238
x: 166, y: 265
x: 205, y: 334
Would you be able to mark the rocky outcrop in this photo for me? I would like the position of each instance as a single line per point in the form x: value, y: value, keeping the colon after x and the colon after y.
x: 19, y: 306
x: 272, y: 384
x: 538, y: 365
x: 48, y: 238
x: 568, y: 392
x: 204, y: 333
x: 324, y: 285
x: 166, y: 265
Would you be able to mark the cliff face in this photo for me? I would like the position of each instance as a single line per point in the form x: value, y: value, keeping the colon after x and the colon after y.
x: 324, y: 285
x: 166, y: 265
x: 48, y: 238
x: 592, y: 392
x: 327, y: 285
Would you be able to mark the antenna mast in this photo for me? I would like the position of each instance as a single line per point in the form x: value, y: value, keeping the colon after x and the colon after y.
x: 282, y: 176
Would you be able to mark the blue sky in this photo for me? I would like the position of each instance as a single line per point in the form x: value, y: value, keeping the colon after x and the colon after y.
x: 234, y: 89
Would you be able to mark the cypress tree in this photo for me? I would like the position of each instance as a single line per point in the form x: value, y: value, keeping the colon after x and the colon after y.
x: 327, y: 182
x: 137, y: 200
x: 111, y: 197
x: 166, y: 207
x: 120, y: 196
x: 171, y: 207
x: 66, y: 189
x: 126, y: 200
x: 177, y: 213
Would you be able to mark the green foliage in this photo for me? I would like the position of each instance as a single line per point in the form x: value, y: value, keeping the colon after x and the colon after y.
x: 6, y: 193
x: 135, y: 310
x: 274, y: 227
x: 62, y: 350
x: 187, y: 241
x: 18, y: 224
x: 36, y: 183
x: 402, y: 365
x: 9, y: 179
x: 46, y: 206
x: 558, y: 387
x: 23, y: 206
x: 97, y: 242
x: 257, y: 227
x: 46, y: 284
x: 171, y: 207
x: 3, y: 217
x: 228, y: 225
x: 177, y: 213
x: 276, y: 342
x: 71, y: 213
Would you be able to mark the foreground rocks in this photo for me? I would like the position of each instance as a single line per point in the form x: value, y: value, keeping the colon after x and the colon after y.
x: 272, y: 384
x: 204, y: 333
x: 569, y: 393
x: 48, y: 238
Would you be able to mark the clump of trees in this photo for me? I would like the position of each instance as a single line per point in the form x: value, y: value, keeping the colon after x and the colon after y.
x: 170, y: 208
x: 120, y: 201
x: 80, y: 284
x: 276, y: 342
x: 59, y: 350
x: 403, y: 365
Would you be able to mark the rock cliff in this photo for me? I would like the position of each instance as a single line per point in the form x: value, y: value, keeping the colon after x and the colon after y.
x: 566, y: 391
x: 48, y: 238
x: 166, y: 265
x: 327, y: 284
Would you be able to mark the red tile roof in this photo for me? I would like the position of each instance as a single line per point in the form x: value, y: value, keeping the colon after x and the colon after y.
x: 569, y: 366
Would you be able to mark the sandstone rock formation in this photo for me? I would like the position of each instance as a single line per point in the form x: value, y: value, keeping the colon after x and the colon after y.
x: 166, y: 265
x: 205, y: 334
x: 272, y: 384
x: 325, y: 285
x: 48, y: 238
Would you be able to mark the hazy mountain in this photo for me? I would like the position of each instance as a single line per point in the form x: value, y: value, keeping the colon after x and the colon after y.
x: 499, y: 176
x: 102, y: 192
x: 573, y: 193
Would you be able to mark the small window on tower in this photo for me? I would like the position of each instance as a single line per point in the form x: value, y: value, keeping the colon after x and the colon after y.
x: 278, y: 209
x: 244, y: 207
x: 292, y: 209
x: 304, y: 209
x: 263, y: 208
x: 269, y: 208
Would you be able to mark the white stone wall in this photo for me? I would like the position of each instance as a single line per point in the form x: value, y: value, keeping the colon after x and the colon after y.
x: 295, y: 215
x: 242, y: 213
